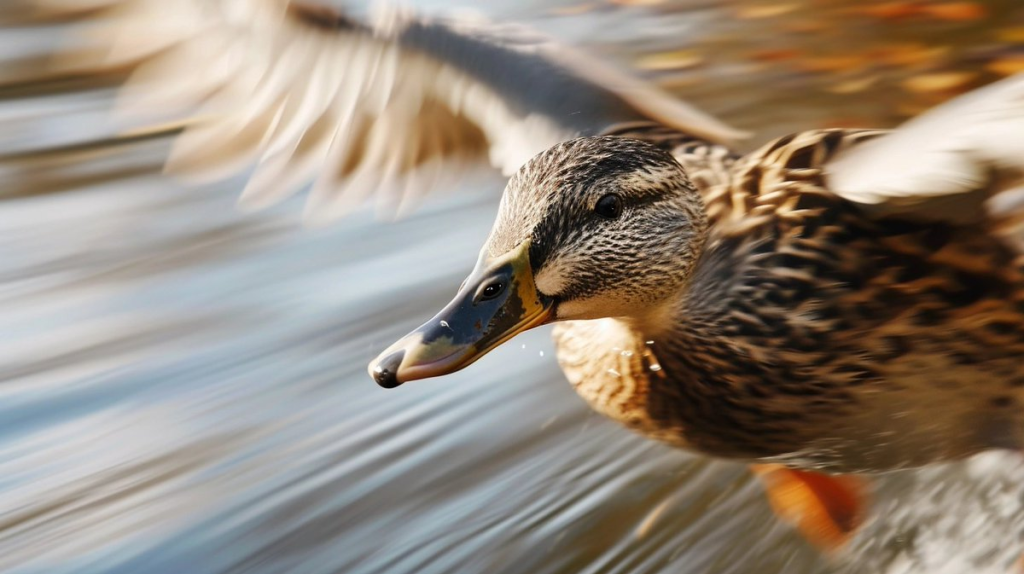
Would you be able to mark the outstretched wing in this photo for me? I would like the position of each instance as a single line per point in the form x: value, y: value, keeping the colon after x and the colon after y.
x: 390, y: 110
x: 960, y: 162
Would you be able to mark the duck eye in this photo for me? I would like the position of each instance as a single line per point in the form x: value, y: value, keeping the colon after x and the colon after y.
x: 609, y: 206
x: 491, y: 291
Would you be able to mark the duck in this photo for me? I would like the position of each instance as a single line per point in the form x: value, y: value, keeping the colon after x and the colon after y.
x: 772, y: 316
x: 835, y: 304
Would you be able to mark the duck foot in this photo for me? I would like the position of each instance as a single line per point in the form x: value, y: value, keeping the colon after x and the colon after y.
x: 825, y: 509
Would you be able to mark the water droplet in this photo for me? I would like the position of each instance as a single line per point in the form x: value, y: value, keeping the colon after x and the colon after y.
x: 655, y: 367
x: 524, y: 345
x: 614, y: 373
x: 650, y: 342
x: 445, y: 324
x: 627, y: 353
x: 542, y: 353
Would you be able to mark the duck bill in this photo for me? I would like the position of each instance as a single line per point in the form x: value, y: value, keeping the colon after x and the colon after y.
x: 496, y: 302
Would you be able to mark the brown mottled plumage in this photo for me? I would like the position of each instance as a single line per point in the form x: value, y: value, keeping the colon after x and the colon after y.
x: 807, y: 332
x: 789, y: 306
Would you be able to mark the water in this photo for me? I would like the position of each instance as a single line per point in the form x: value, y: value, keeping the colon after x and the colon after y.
x: 183, y: 389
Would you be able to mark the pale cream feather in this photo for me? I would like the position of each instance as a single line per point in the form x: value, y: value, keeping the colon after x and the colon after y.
x: 353, y: 110
x: 944, y: 164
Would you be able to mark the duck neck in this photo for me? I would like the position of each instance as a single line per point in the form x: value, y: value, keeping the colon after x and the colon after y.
x: 661, y: 319
x: 667, y: 315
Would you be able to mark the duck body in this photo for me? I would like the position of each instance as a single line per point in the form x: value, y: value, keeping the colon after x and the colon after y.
x: 812, y: 334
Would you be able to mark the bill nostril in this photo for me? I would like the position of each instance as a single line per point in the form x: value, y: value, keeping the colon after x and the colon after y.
x: 386, y: 372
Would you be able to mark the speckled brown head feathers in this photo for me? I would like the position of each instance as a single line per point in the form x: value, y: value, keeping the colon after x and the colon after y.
x: 595, y: 265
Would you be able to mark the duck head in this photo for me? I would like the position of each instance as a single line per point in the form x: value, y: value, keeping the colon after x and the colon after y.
x: 594, y: 227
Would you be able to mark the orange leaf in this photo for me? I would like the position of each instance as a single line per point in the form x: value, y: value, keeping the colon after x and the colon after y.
x: 908, y: 54
x: 674, y: 60
x: 832, y: 63
x: 1013, y: 34
x: 765, y: 11
x: 891, y: 10
x: 938, y: 81
x: 1007, y: 66
x: 956, y: 11
x: 775, y: 54
x: 853, y: 86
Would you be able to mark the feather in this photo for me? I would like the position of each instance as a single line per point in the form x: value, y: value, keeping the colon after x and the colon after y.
x: 389, y: 110
x: 944, y: 164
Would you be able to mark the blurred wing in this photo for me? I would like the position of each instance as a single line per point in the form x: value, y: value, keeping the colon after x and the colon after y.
x: 947, y: 164
x: 391, y: 111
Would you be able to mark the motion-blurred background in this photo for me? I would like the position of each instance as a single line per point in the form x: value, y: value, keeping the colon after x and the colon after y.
x: 183, y: 385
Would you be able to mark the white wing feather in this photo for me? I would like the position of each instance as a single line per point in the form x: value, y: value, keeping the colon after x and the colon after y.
x: 391, y: 111
x: 944, y: 164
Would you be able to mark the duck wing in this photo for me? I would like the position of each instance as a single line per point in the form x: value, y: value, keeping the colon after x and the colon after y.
x: 390, y: 110
x: 962, y: 162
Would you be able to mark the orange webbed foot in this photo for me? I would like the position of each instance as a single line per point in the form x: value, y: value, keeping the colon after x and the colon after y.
x: 826, y: 509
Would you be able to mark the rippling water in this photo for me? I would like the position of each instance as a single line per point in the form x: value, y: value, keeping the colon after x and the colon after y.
x: 183, y: 389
